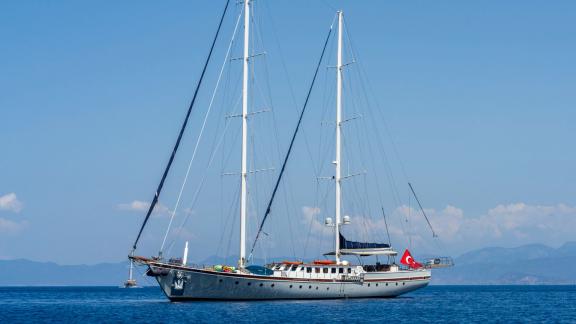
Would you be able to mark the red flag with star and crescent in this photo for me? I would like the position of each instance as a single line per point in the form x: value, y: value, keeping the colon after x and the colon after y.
x: 408, y: 260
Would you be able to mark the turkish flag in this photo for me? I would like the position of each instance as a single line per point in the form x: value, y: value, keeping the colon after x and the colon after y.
x: 408, y: 260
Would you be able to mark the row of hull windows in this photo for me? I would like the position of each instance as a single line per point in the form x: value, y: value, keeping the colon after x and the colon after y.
x: 314, y: 269
x: 309, y: 287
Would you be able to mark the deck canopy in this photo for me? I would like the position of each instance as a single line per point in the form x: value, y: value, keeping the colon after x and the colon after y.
x: 363, y: 248
x: 351, y: 245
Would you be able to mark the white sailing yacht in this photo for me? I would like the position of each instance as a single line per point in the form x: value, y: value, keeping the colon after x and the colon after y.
x: 337, y: 278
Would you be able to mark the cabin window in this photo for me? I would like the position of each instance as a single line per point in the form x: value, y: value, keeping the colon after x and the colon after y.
x: 293, y: 268
x: 308, y: 269
x: 349, y: 270
x: 333, y: 270
x: 325, y: 270
x: 317, y: 270
x: 340, y: 270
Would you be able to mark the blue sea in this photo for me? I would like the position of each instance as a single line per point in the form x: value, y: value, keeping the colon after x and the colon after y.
x: 458, y: 304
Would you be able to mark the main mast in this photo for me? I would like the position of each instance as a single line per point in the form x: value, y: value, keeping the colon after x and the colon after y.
x: 243, y: 207
x: 337, y: 162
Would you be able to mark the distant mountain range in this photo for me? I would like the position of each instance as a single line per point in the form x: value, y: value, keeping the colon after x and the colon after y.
x: 528, y: 264
x: 31, y: 273
x: 21, y: 272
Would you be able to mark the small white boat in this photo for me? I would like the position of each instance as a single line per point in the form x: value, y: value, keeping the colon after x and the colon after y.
x: 131, y: 282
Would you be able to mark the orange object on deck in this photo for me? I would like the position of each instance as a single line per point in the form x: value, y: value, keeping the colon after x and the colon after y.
x: 292, y: 262
x: 326, y: 262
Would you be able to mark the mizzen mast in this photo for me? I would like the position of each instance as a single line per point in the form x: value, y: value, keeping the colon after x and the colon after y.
x: 337, y: 161
x: 243, y: 198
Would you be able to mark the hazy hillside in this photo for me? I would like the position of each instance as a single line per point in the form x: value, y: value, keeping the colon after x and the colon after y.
x: 528, y: 264
x: 30, y: 273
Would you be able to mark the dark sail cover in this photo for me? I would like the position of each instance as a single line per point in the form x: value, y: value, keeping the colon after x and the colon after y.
x: 345, y: 244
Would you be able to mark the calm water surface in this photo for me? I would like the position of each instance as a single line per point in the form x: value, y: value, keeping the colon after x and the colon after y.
x: 433, y: 304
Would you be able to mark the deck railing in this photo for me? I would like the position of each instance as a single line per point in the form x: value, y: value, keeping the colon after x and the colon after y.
x: 439, y: 262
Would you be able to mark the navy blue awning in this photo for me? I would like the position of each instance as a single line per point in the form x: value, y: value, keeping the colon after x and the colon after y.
x: 345, y: 244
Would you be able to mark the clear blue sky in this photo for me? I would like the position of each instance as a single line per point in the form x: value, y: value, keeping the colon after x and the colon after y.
x: 479, y: 97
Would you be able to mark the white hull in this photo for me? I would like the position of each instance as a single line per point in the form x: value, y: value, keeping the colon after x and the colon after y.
x: 183, y: 283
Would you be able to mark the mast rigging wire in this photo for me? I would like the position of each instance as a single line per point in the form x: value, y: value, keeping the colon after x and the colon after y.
x: 200, y: 185
x: 386, y: 224
x: 268, y: 208
x: 182, y: 129
x: 367, y: 88
x: 422, y: 209
x: 200, y: 135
